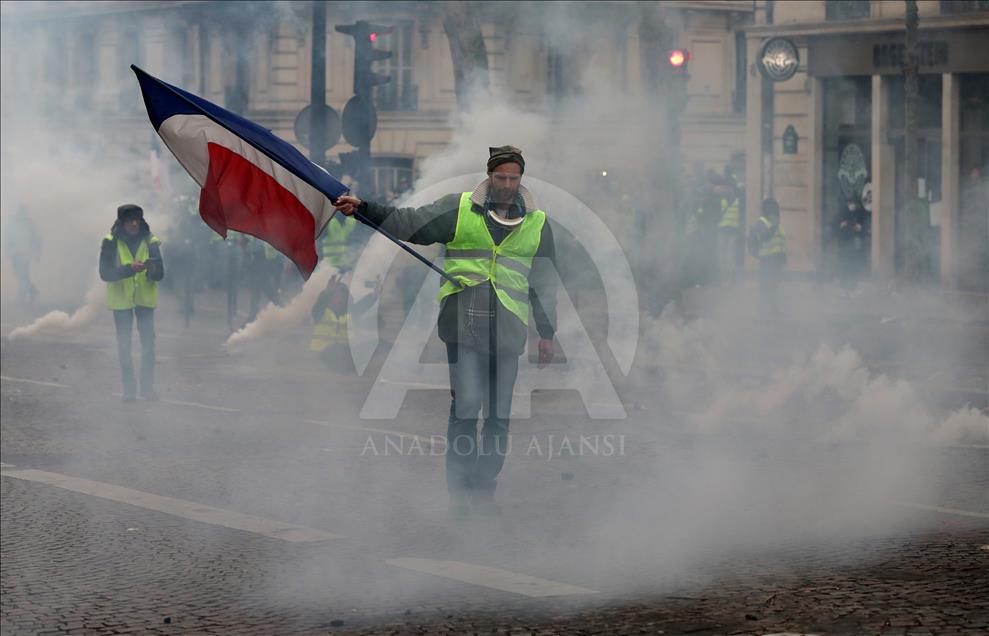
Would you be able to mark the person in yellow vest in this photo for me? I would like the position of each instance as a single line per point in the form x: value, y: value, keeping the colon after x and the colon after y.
x: 768, y: 243
x: 729, y: 229
x: 336, y: 249
x: 131, y: 265
x: 331, y: 316
x: 499, y: 246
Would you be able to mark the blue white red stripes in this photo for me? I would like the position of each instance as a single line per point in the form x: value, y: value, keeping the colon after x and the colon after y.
x: 251, y: 181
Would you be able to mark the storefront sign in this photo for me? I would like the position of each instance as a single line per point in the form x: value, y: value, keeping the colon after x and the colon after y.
x: 778, y: 59
x: 893, y: 55
x: 942, y: 51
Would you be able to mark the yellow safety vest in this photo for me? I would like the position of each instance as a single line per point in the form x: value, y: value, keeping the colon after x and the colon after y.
x: 137, y: 290
x: 473, y: 258
x: 729, y: 214
x: 775, y: 244
x: 335, y: 240
x: 331, y: 329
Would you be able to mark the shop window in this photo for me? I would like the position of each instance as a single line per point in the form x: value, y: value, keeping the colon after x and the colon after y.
x: 973, y: 210
x: 847, y: 153
x: 400, y: 94
x: 929, y: 106
x: 964, y: 6
x: 846, y: 9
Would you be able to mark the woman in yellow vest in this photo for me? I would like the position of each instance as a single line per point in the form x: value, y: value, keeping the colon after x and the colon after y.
x: 131, y: 265
x: 500, y: 247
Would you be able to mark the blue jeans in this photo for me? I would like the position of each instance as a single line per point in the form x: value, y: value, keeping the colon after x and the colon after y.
x: 472, y: 463
x: 123, y: 320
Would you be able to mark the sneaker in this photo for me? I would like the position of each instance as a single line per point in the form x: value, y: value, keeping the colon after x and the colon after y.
x: 129, y: 397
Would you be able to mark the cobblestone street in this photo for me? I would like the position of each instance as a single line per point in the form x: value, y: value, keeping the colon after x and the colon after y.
x: 239, y: 504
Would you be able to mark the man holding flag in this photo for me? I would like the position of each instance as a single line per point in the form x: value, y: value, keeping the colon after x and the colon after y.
x: 499, y: 248
x: 499, y: 257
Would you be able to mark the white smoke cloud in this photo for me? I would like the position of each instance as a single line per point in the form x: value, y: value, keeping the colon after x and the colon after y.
x: 832, y: 396
x: 60, y: 322
x: 272, y: 319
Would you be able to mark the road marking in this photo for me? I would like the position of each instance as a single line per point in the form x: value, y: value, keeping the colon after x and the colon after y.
x: 494, y: 578
x: 947, y: 511
x: 177, y: 507
x: 38, y: 382
x: 197, y: 405
x: 383, y: 431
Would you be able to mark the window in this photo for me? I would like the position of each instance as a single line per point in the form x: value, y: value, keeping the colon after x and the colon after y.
x: 84, y: 70
x: 964, y: 6
x: 55, y: 72
x: 392, y: 177
x: 846, y: 9
x: 561, y: 75
x: 130, y: 51
x: 741, y: 74
x: 400, y: 93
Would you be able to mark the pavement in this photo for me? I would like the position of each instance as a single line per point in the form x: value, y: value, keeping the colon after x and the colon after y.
x: 253, y: 498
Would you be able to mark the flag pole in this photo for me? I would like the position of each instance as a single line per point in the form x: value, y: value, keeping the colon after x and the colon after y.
x: 425, y: 261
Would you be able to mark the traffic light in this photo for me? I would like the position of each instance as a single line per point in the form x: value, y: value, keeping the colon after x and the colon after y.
x: 365, y: 35
x: 678, y: 60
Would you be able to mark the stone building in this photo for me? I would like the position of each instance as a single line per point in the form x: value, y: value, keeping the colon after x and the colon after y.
x: 72, y: 57
x: 846, y: 104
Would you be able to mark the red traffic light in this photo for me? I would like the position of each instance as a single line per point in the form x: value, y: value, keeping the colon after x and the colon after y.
x: 373, y: 37
x: 678, y: 58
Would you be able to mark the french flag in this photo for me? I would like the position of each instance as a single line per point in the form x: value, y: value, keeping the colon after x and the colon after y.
x: 252, y: 181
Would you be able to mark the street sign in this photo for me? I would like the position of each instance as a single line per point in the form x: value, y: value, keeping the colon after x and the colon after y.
x: 360, y: 121
x: 303, y: 125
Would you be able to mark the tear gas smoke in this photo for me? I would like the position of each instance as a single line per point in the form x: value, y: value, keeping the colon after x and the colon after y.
x: 272, y: 319
x: 60, y: 322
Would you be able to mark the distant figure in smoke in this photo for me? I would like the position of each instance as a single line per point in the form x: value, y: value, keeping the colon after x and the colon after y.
x: 265, y: 267
x: 768, y: 243
x: 22, y: 243
x: 331, y: 316
x: 851, y: 231
x: 728, y: 228
x: 186, y: 243
x: 131, y: 265
x: 704, y: 212
x: 500, y: 247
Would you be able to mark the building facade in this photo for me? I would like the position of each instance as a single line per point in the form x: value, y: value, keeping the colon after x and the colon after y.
x: 846, y: 104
